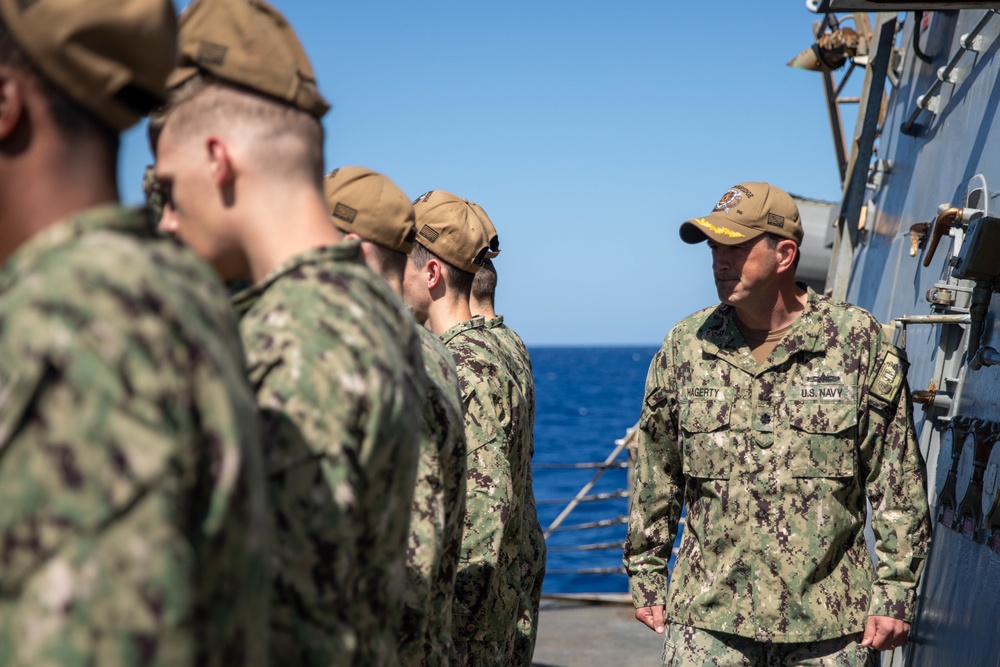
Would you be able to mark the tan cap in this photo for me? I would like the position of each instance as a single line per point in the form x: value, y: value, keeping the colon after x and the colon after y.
x: 745, y: 212
x: 453, y: 229
x: 249, y: 43
x: 110, y: 56
x: 491, y: 231
x: 370, y: 205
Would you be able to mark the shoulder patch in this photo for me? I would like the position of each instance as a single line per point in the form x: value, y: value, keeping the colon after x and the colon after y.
x: 657, y: 398
x: 890, y: 376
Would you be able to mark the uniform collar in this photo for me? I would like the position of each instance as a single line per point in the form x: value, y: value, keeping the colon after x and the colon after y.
x: 110, y: 217
x: 722, y: 338
x: 348, y: 250
x: 494, y: 322
x: 477, y: 322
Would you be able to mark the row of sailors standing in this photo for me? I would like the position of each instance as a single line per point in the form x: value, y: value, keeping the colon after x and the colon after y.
x: 309, y: 474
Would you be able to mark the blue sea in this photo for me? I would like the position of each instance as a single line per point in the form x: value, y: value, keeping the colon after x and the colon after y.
x: 586, y: 398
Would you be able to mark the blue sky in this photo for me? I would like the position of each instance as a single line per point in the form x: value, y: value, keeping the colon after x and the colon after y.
x: 588, y: 131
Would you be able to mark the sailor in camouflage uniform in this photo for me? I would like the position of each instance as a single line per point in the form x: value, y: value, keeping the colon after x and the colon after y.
x: 368, y: 206
x: 533, y: 545
x: 773, y: 417
x: 134, y: 521
x: 451, y: 246
x: 327, y: 342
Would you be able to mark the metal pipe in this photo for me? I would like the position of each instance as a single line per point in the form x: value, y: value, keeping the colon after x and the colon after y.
x: 600, y: 546
x: 836, y: 123
x: 934, y: 319
x: 590, y: 570
x: 580, y: 466
x: 603, y: 523
x: 843, y: 79
x: 614, y: 495
x: 985, y: 356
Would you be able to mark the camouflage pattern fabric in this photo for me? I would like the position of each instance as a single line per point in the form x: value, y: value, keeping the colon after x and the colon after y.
x: 488, y: 587
x: 154, y: 196
x: 685, y: 646
x: 533, y: 549
x: 773, y: 463
x: 335, y: 361
x: 134, y: 525
x: 438, y: 515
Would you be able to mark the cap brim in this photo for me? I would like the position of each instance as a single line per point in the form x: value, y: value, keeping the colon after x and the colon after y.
x: 722, y: 231
x: 180, y: 75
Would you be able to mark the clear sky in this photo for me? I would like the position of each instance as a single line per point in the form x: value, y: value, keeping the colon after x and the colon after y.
x: 587, y: 130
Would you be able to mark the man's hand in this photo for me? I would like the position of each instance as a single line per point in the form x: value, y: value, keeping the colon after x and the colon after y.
x: 652, y: 617
x: 882, y: 633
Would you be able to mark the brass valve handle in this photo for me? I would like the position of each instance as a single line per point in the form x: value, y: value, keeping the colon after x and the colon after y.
x: 944, y: 221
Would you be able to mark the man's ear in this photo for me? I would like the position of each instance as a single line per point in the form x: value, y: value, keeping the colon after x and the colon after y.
x: 11, y: 101
x: 787, y: 252
x: 221, y: 162
x: 435, y: 273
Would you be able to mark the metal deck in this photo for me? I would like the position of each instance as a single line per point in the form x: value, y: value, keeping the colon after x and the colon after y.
x: 577, y: 633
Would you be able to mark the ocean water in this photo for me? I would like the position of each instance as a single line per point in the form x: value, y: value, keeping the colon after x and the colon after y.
x: 586, y: 398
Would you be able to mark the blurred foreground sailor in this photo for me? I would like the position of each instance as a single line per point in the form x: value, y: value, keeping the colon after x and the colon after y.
x: 134, y: 523
x: 327, y: 341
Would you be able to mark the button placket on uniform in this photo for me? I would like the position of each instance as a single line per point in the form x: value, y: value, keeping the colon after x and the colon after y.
x: 763, y: 417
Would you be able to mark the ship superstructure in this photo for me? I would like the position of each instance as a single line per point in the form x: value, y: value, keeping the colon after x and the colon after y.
x: 916, y: 241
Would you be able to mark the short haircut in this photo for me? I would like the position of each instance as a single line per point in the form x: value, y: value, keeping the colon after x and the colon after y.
x: 772, y: 243
x: 484, y: 285
x: 458, y: 280
x: 288, y: 139
x: 157, y: 119
x: 392, y: 262
x: 72, y: 120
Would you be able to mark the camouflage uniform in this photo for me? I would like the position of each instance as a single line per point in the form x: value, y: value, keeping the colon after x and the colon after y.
x: 685, y: 646
x: 134, y: 524
x: 533, y: 545
x: 438, y: 515
x: 330, y: 353
x: 774, y: 462
x: 488, y: 588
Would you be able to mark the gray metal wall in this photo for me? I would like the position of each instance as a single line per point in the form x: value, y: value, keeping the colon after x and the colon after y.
x: 960, y: 596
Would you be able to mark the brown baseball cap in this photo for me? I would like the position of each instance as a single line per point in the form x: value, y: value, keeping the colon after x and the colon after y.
x: 491, y: 231
x: 111, y: 56
x: 745, y: 212
x: 249, y: 43
x: 454, y: 229
x: 370, y: 205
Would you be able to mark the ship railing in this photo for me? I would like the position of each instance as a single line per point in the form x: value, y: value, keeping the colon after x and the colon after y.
x: 585, y: 495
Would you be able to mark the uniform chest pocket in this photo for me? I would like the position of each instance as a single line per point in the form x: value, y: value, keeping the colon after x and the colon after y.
x: 823, y: 438
x: 706, y: 440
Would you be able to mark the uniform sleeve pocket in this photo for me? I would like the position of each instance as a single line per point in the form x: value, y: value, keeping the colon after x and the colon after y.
x: 823, y: 436
x: 706, y: 439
